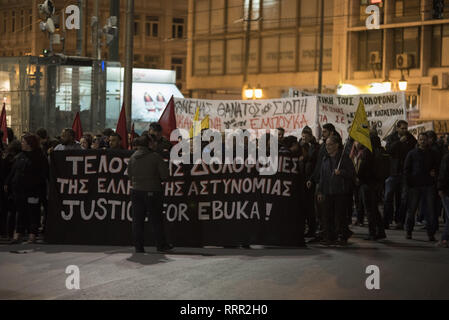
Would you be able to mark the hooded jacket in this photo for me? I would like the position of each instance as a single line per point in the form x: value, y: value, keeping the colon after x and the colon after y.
x: 147, y: 170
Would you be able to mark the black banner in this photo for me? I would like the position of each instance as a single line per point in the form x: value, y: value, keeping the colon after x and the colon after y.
x: 205, y: 205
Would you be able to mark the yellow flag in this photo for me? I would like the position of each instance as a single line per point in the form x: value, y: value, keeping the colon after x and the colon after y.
x: 205, y: 123
x: 197, y: 126
x: 360, y: 127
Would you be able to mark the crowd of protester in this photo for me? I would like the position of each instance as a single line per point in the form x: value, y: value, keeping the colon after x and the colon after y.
x: 397, y: 186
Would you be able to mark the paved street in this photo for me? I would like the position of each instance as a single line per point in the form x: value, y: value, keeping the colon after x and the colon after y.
x: 409, y: 270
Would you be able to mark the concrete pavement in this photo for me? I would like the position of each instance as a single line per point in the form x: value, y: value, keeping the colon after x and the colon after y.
x: 408, y: 270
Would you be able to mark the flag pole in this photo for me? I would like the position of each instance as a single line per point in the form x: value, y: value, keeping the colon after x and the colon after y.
x: 342, y: 154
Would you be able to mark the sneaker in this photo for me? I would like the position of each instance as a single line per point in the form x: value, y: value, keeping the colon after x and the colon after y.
x: 166, y: 249
x: 442, y: 244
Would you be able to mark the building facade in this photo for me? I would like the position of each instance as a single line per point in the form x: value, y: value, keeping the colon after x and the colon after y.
x: 159, y: 36
x: 284, y: 49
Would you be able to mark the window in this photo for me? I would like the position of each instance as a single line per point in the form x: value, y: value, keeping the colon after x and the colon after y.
x: 178, y: 66
x: 309, y: 12
x: 201, y: 16
x: 407, y: 41
x: 31, y: 20
x: 152, y: 62
x: 234, y: 15
x: 178, y: 28
x: 136, y: 26
x: 369, y: 54
x: 271, y: 13
x: 5, y: 21
x: 407, y: 10
x: 22, y: 20
x: 13, y: 22
x: 217, y: 22
x: 440, y: 46
x: 152, y: 27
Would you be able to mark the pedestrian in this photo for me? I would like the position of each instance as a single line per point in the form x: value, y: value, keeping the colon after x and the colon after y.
x: 163, y: 146
x: 310, y: 153
x: 9, y: 211
x: 443, y: 192
x: 399, y: 144
x: 146, y: 171
x: 86, y: 142
x: 115, y: 141
x: 420, y: 170
x: 27, y: 181
x: 364, y: 162
x: 337, y: 176
x: 68, y: 141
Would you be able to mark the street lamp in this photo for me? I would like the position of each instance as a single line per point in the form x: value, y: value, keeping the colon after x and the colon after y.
x: 402, y: 84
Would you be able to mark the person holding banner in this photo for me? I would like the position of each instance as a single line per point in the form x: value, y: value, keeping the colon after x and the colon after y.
x: 68, y: 141
x: 337, y: 176
x: 147, y: 170
x: 163, y: 146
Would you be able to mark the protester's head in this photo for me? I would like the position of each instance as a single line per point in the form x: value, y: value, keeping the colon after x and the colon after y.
x: 402, y: 128
x: 106, y: 134
x: 97, y: 142
x: 115, y: 141
x: 307, y: 135
x: 423, y: 141
x: 141, y: 142
x: 432, y: 136
x: 156, y: 130
x: 68, y: 136
x: 86, y: 142
x: 281, y: 133
x: 30, y: 142
x: 42, y: 134
x: 328, y: 129
x: 152, y: 142
x: 332, y: 145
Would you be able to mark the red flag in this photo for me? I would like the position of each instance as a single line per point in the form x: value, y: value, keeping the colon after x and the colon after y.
x: 133, y: 136
x: 121, y: 128
x: 168, y: 119
x: 3, y: 125
x: 77, y: 127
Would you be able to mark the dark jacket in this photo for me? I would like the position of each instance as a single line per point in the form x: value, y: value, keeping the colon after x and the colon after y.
x: 147, y: 170
x: 310, y: 160
x: 398, y: 151
x: 443, y: 177
x: 330, y: 184
x: 366, y: 173
x: 29, y: 174
x: 163, y: 148
x: 322, y: 153
x: 418, y: 165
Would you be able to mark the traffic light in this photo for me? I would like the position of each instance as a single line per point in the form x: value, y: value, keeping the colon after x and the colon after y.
x: 45, y: 52
x: 438, y: 9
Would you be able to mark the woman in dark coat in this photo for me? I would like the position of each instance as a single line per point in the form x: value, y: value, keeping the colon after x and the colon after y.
x: 27, y: 183
x: 8, y: 207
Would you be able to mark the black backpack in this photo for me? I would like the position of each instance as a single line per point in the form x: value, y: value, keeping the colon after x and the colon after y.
x: 381, y: 165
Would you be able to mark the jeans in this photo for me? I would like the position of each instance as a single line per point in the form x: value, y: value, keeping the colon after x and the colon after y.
x: 335, y: 222
x: 415, y: 195
x: 369, y: 198
x: 395, y: 190
x: 143, y: 203
x: 445, y: 201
